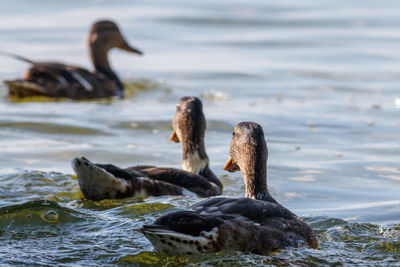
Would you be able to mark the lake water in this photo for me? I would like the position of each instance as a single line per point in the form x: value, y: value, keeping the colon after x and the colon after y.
x: 321, y: 77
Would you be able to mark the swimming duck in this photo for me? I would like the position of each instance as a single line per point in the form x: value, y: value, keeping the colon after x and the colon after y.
x: 256, y: 223
x: 101, y: 181
x: 54, y: 79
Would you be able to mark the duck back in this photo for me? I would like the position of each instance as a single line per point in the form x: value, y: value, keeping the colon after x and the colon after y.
x: 242, y: 224
x: 62, y: 81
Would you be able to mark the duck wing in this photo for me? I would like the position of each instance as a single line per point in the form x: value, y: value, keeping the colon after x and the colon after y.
x: 229, y: 224
x: 190, y: 181
x: 209, y: 175
x: 251, y: 209
x: 102, y: 181
x: 60, y: 80
x: 269, y: 216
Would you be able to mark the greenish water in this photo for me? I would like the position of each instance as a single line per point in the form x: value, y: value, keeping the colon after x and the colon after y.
x: 321, y: 77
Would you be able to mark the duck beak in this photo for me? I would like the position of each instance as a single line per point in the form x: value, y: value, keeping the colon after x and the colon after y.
x: 127, y: 47
x: 231, y: 166
x: 130, y: 48
x: 174, y: 137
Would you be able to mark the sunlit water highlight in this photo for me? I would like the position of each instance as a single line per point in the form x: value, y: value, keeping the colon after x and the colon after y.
x: 321, y: 77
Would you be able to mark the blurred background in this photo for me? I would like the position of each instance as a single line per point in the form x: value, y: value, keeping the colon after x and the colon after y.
x: 321, y: 77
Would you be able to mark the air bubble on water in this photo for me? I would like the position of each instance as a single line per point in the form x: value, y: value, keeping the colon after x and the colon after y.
x: 51, y: 216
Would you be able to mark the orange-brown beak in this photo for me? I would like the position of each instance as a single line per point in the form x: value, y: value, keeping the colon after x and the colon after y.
x: 174, y: 137
x: 127, y: 47
x: 124, y: 45
x: 231, y: 166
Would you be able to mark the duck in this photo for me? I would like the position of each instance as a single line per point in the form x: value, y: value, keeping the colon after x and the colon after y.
x: 58, y: 80
x: 256, y: 223
x: 107, y: 181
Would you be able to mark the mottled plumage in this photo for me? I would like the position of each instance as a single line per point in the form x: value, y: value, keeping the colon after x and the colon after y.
x: 52, y: 79
x: 100, y: 181
x: 256, y: 223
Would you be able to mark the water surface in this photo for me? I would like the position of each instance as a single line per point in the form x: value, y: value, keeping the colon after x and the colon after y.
x: 322, y: 79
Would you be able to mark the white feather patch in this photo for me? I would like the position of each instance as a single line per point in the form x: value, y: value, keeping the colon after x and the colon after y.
x: 96, y: 181
x: 193, y: 163
x: 62, y: 80
x: 174, y: 243
x: 82, y: 81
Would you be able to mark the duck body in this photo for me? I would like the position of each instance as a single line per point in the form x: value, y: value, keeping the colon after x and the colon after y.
x: 235, y: 224
x: 107, y: 181
x: 58, y: 80
x: 256, y: 223
x: 199, y: 184
x: 102, y: 181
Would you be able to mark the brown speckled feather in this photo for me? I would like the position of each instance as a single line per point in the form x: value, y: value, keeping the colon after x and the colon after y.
x: 260, y: 214
x: 236, y: 224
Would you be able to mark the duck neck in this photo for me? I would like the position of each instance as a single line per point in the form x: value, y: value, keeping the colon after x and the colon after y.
x: 99, y: 55
x: 194, y: 157
x: 195, y: 160
x: 255, y: 178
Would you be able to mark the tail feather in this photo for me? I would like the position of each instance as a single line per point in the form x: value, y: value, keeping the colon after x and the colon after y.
x: 95, y: 182
x: 18, y: 57
x: 18, y: 87
x: 174, y: 243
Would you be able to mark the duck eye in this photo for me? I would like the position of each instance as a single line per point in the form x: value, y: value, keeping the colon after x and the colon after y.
x: 233, y: 133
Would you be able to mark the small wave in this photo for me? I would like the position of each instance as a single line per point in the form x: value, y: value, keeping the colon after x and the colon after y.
x: 133, y: 86
x: 50, y: 128
x: 144, y: 125
x: 37, y: 212
x: 33, y: 185
x: 215, y: 95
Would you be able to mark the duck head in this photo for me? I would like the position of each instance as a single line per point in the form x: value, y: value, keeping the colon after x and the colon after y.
x: 189, y: 126
x: 249, y: 154
x: 105, y: 35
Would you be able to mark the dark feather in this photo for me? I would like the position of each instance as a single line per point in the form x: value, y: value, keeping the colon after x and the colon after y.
x: 52, y: 79
x: 241, y: 224
x: 252, y: 209
x: 186, y: 222
x: 190, y: 181
x: 63, y: 81
x: 18, y: 57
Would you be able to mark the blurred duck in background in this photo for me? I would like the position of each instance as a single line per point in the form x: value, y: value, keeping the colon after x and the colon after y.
x: 106, y: 181
x: 53, y: 79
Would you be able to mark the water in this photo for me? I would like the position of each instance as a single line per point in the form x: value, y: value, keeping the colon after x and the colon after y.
x: 321, y: 77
